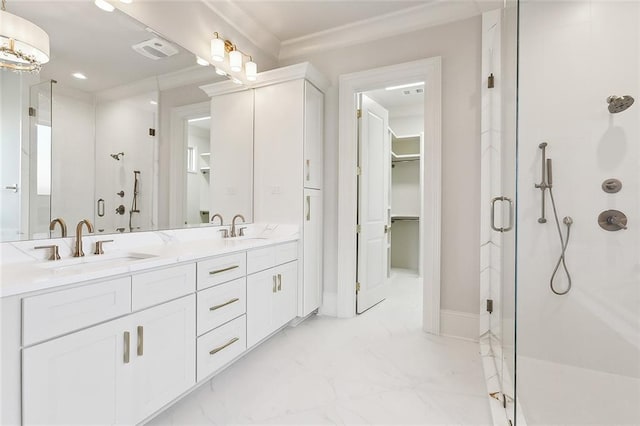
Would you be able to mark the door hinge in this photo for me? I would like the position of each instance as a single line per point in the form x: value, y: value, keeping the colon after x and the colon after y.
x: 358, y: 170
x: 490, y: 305
x: 152, y: 132
x: 359, y: 113
x: 357, y: 287
x: 358, y: 229
x: 32, y: 112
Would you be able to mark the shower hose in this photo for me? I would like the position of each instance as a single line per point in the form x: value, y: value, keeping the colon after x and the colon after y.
x: 564, y: 242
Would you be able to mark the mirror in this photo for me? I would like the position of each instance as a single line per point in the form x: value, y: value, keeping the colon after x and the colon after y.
x: 106, y: 146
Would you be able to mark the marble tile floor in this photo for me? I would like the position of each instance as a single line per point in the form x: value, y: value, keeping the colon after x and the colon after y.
x: 377, y: 368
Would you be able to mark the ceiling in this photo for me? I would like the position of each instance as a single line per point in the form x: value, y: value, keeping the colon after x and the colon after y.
x: 96, y: 43
x: 400, y: 102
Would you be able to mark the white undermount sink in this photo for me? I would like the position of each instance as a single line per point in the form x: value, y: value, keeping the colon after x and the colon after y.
x: 88, y: 263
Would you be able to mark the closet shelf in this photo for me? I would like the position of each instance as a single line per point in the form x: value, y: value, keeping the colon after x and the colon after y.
x: 205, y: 154
x: 404, y: 157
x: 404, y: 217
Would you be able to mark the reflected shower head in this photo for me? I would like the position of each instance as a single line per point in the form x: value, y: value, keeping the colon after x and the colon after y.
x: 619, y: 103
x: 117, y: 156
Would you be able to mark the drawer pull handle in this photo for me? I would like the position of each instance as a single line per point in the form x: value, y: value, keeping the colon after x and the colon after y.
x: 217, y: 271
x: 127, y: 347
x: 140, y: 340
x: 222, y: 305
x: 275, y: 284
x: 218, y: 349
x: 279, y: 282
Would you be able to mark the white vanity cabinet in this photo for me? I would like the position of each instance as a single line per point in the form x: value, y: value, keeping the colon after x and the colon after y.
x: 271, y: 300
x: 118, y: 372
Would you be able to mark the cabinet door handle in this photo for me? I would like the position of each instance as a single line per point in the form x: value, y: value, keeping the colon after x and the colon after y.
x: 222, y: 305
x: 308, y: 208
x: 219, y: 348
x: 217, y: 271
x: 275, y: 284
x: 279, y: 282
x: 127, y: 347
x: 140, y: 340
x: 308, y: 170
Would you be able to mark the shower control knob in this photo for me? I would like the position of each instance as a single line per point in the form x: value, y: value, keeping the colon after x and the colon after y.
x: 121, y: 194
x: 120, y: 209
x: 612, y: 220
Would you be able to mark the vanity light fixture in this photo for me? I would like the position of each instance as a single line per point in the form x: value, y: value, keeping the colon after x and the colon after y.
x: 201, y: 61
x: 404, y: 86
x: 221, y: 47
x: 24, y: 46
x: 104, y: 5
x: 79, y: 76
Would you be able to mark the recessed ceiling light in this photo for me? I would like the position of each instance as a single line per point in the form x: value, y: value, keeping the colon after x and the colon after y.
x: 404, y: 86
x: 153, y: 102
x: 102, y: 4
x: 193, y: 120
x: 79, y: 76
x: 201, y: 61
x: 220, y: 72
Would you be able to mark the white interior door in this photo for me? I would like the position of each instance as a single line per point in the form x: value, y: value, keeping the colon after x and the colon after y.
x: 373, y: 197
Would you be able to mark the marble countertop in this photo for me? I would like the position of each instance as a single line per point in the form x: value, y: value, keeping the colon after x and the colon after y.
x: 26, y: 269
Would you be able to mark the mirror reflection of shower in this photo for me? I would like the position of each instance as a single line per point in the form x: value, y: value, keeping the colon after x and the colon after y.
x: 117, y: 156
x: 134, y: 201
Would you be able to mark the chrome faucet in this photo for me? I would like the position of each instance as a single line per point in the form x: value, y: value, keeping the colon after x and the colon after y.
x: 63, y: 226
x: 217, y: 215
x: 78, y: 252
x: 233, y: 224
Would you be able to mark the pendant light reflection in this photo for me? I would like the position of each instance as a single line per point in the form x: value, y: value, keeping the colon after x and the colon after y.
x: 24, y: 46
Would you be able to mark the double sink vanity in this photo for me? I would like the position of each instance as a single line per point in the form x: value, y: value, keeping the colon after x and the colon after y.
x: 114, y: 338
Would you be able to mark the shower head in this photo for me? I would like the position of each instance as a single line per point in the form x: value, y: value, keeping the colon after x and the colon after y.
x: 117, y: 156
x: 619, y: 103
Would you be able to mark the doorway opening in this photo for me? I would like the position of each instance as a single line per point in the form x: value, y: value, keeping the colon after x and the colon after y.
x: 429, y: 72
x: 390, y: 170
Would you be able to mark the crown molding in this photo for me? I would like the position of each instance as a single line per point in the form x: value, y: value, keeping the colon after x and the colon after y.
x: 415, y: 18
x: 278, y: 75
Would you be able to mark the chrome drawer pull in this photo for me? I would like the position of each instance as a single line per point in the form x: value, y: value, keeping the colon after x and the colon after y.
x: 213, y: 308
x: 217, y: 271
x: 279, y: 282
x: 218, y: 349
x: 126, y: 347
x: 275, y: 284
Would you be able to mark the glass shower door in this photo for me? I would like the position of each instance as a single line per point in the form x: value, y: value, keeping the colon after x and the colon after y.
x: 40, y: 146
x: 578, y: 272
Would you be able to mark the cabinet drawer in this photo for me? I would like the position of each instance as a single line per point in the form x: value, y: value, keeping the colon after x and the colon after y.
x: 221, y: 269
x: 220, y: 304
x: 152, y: 288
x: 268, y: 257
x: 220, y: 346
x: 286, y: 252
x: 56, y: 313
x: 260, y: 259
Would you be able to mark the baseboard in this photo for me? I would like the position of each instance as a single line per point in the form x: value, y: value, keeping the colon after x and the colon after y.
x: 329, y: 306
x: 462, y: 325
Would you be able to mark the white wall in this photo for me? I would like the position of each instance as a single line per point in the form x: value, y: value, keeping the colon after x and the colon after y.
x: 573, y: 56
x: 73, y: 156
x: 458, y: 44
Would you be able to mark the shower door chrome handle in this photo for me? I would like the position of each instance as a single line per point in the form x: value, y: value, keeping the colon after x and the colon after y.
x: 13, y: 188
x: 493, y: 214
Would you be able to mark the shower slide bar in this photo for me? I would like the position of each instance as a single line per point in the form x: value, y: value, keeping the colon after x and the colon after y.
x: 545, y: 181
